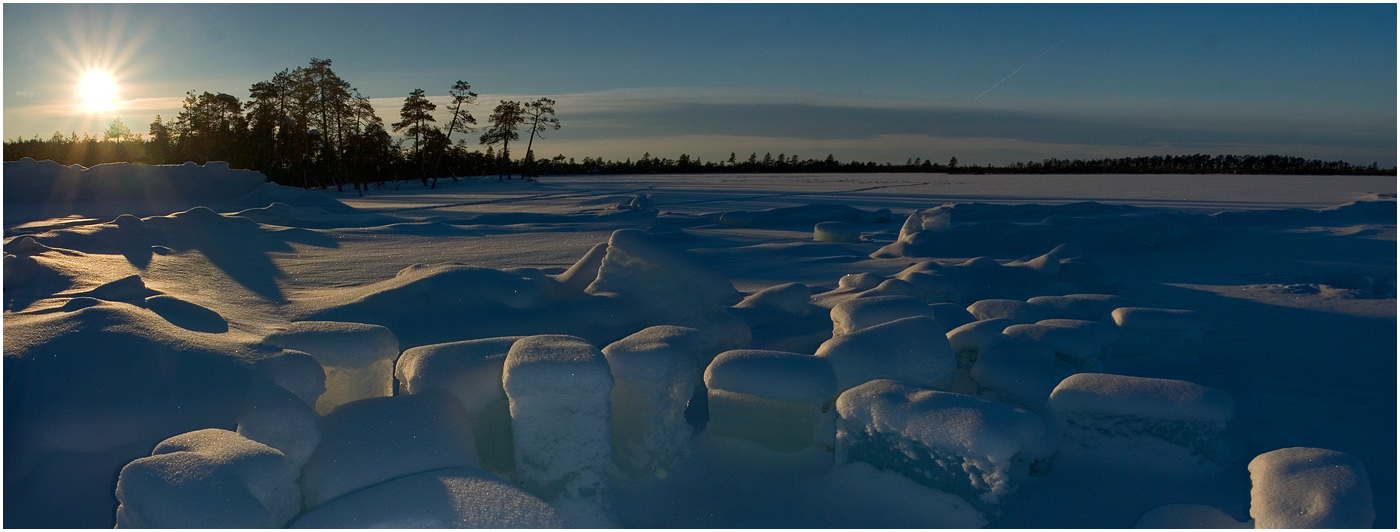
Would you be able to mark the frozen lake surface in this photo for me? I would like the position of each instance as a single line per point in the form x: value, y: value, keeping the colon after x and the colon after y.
x: 1292, y: 279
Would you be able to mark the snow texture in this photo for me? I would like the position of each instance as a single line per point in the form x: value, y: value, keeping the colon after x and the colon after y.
x: 913, y: 349
x: 358, y: 358
x: 656, y: 371
x: 442, y: 498
x: 1304, y: 487
x: 947, y: 441
x: 370, y: 441
x: 559, y: 388
x: 209, y: 478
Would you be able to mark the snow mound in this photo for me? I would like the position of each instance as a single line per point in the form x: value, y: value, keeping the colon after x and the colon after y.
x: 1158, y: 332
x: 209, y: 478
x: 836, y: 232
x: 443, y: 498
x: 947, y: 441
x: 369, y: 441
x: 559, y: 388
x: 913, y: 349
x: 777, y: 404
x: 858, y: 313
x: 1303, y: 487
x: 1019, y: 371
x: 90, y: 390
x: 358, y: 358
x: 1011, y: 309
x: 1178, y: 412
x: 1076, y: 346
x: 470, y: 371
x: 656, y: 371
x: 1089, y: 307
x: 788, y: 298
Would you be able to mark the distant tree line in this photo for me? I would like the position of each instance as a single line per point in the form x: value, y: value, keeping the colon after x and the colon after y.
x: 307, y: 127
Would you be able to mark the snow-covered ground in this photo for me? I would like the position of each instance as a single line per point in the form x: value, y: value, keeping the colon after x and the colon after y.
x: 1289, y: 342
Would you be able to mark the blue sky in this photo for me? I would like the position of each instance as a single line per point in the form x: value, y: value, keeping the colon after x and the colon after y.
x: 985, y: 83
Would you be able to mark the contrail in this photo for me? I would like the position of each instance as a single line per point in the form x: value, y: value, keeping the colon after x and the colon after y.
x: 1018, y: 69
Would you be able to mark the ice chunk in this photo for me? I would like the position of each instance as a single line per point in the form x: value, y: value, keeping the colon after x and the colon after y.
x: 1011, y: 309
x: 1158, y: 332
x: 1188, y: 516
x: 782, y: 402
x: 444, y: 498
x: 836, y: 232
x: 1077, y: 347
x: 559, y: 388
x: 1304, y: 487
x: 913, y: 349
x: 790, y: 298
x: 947, y: 441
x: 859, y: 313
x: 209, y: 478
x: 1178, y: 412
x: 372, y: 440
x: 469, y: 371
x: 656, y: 371
x: 1091, y: 307
x: 358, y: 358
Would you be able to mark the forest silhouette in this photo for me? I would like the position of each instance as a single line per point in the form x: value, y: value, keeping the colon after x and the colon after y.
x: 309, y: 128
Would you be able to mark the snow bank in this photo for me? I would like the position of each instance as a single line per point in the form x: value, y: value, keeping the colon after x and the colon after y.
x: 443, y: 498
x: 641, y: 270
x: 913, y: 349
x: 947, y: 441
x: 968, y: 341
x: 1178, y: 412
x: 788, y: 298
x: 1303, y: 487
x: 779, y: 401
x: 358, y: 358
x: 656, y: 371
x: 279, y: 419
x: 209, y: 478
x: 369, y: 441
x: 559, y: 388
x: 1158, y: 332
x: 470, y: 371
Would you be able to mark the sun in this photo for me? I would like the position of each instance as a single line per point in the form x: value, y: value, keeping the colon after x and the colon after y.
x: 98, y: 91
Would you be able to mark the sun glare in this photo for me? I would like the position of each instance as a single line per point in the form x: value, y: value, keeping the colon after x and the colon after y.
x: 98, y: 91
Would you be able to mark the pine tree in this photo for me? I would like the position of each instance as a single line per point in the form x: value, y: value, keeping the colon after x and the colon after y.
x: 417, y: 111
